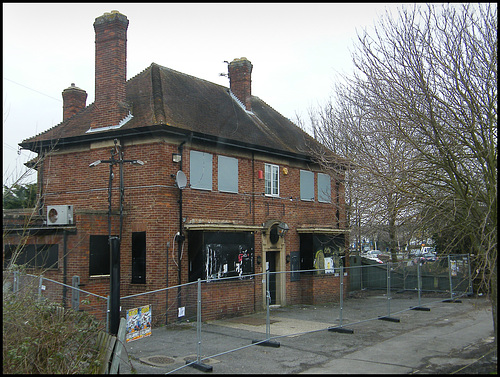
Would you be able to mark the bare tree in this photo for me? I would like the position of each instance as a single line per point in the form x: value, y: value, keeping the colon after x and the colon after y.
x: 427, y: 79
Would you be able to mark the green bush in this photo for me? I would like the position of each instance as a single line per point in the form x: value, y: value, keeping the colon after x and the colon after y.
x: 39, y: 337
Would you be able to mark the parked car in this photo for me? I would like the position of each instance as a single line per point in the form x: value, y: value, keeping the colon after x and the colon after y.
x: 373, y: 255
x: 430, y: 257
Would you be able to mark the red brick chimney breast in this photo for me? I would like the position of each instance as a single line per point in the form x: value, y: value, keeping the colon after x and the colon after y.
x: 110, y: 69
x: 74, y: 100
x: 240, y: 80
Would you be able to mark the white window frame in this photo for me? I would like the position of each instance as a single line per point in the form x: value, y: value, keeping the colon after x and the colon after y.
x: 272, y: 180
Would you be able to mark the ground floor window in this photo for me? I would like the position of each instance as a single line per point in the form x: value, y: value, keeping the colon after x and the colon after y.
x: 216, y: 255
x: 32, y: 256
x: 139, y: 258
x: 321, y: 252
x: 99, y: 255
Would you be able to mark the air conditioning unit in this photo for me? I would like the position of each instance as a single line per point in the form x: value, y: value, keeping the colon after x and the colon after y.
x: 60, y: 215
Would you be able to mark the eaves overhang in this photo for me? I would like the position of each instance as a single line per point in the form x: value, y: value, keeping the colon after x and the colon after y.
x: 38, y: 146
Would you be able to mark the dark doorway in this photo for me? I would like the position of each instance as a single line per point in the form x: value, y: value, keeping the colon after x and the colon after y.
x: 271, y: 267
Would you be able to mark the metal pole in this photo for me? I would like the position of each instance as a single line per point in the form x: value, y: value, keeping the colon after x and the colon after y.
x: 449, y: 275
x: 388, y: 289
x: 198, y: 324
x: 40, y: 283
x: 341, y: 292
x: 115, y: 286
x: 471, y: 288
x: 419, y: 282
x: 15, y: 286
x: 268, y: 299
x: 107, y: 314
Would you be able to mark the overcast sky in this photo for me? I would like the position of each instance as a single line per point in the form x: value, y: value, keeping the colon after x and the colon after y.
x: 296, y: 51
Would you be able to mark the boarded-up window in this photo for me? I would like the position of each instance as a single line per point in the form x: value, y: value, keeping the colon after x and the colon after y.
x: 99, y: 255
x: 32, y: 256
x: 200, y: 170
x: 216, y: 255
x: 139, y: 258
x: 228, y: 174
x: 306, y: 185
x: 324, y: 188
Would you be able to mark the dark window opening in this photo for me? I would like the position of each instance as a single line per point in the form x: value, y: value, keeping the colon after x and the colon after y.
x: 99, y: 255
x: 321, y: 252
x: 32, y: 256
x: 139, y: 258
x: 215, y: 255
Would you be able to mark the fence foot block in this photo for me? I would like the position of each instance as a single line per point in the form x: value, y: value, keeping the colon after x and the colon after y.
x: 341, y: 330
x: 421, y: 308
x: 266, y: 343
x: 453, y: 300
x: 390, y: 319
x: 199, y: 366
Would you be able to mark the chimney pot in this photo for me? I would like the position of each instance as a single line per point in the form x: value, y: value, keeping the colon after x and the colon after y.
x: 74, y: 100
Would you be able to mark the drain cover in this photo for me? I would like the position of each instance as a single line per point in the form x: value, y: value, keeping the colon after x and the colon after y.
x: 157, y: 360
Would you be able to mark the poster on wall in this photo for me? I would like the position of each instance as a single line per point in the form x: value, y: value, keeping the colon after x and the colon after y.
x: 138, y: 323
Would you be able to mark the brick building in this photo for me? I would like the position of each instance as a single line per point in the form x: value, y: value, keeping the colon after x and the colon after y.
x: 228, y: 187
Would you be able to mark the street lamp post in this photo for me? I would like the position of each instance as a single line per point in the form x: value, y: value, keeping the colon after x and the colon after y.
x: 114, y: 242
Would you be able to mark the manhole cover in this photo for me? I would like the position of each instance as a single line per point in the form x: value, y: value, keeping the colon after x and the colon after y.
x: 157, y: 360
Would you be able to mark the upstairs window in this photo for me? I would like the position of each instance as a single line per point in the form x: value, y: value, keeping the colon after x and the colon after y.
x: 324, y: 188
x: 306, y: 185
x: 272, y: 180
x: 228, y: 174
x: 200, y: 170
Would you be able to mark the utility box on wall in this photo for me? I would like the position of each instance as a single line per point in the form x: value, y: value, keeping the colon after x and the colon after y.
x: 60, y: 215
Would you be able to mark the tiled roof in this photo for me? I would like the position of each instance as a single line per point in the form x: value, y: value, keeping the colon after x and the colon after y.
x: 165, y: 98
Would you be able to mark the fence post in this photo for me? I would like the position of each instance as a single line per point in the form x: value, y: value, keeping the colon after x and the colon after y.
x: 75, y: 293
x: 451, y: 283
x: 267, y: 342
x: 471, y: 288
x: 419, y: 287
x: 40, y: 286
x: 340, y: 328
x: 15, y: 286
x: 198, y: 364
x: 388, y: 317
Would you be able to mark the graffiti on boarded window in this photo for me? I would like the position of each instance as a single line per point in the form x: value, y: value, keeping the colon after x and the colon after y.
x: 228, y: 260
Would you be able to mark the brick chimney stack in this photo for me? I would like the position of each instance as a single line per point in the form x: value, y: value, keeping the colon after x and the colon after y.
x: 74, y: 100
x: 110, y: 69
x: 240, y: 80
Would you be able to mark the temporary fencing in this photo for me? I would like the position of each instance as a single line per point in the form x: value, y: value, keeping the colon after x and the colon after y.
x: 394, y: 288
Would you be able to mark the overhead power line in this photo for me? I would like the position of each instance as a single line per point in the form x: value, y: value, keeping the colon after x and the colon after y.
x: 34, y: 90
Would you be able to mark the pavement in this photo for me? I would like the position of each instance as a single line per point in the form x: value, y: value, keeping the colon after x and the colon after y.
x: 377, y: 335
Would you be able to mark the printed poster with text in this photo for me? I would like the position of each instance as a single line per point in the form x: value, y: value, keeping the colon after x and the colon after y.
x: 138, y: 323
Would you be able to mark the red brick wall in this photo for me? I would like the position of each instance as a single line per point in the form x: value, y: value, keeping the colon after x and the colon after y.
x: 151, y: 205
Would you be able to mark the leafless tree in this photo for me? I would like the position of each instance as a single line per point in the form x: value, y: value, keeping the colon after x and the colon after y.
x: 425, y: 85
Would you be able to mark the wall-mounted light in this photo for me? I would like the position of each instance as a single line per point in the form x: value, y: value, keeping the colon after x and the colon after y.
x: 282, y: 229
x: 259, y: 259
x: 288, y: 258
x: 176, y: 157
